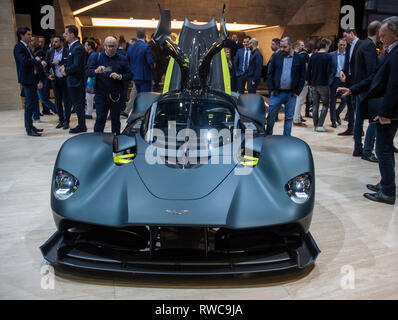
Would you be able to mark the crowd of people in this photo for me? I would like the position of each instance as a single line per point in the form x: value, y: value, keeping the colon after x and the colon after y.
x: 83, y: 76
x: 88, y: 74
x: 365, y: 78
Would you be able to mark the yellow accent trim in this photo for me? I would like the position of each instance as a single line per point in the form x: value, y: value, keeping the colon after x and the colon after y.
x: 225, y: 71
x: 169, y: 72
x: 168, y: 76
x: 127, y: 158
x: 252, y: 161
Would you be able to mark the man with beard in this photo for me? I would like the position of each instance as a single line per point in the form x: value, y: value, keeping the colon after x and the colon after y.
x: 286, y: 78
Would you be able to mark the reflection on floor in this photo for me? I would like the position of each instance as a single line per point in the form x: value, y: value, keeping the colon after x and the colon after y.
x: 358, y: 238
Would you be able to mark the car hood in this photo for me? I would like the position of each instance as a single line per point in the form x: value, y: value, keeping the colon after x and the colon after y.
x: 175, y: 182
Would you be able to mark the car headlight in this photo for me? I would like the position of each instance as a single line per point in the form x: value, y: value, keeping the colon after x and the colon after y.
x: 299, y: 187
x: 64, y: 185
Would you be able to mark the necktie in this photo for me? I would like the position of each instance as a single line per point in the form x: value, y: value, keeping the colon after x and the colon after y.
x: 31, y: 53
x: 245, y: 60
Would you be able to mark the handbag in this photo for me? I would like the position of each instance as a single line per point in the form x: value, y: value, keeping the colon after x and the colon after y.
x: 91, y: 80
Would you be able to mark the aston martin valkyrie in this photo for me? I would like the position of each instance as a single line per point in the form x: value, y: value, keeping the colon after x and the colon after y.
x: 193, y: 185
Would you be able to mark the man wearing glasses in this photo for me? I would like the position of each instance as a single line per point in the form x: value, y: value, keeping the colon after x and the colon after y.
x: 110, y: 70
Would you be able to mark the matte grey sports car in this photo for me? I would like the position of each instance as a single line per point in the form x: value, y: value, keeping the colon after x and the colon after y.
x: 192, y: 185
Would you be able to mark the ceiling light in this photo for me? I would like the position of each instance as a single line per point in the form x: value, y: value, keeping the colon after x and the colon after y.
x: 143, y: 23
x: 78, y: 22
x: 95, y: 4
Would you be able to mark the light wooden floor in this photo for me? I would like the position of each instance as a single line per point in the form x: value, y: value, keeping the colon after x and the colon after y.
x: 355, y: 235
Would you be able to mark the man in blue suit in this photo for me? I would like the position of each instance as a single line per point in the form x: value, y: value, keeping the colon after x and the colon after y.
x: 141, y: 63
x: 241, y: 64
x: 286, y: 78
x: 255, y: 67
x: 382, y: 84
x: 28, y: 77
x: 74, y: 72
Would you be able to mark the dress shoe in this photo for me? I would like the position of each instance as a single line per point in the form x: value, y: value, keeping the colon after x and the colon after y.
x: 346, y: 133
x: 380, y: 197
x: 59, y: 125
x: 66, y: 125
x: 302, y: 119
x: 334, y: 125
x: 49, y: 113
x: 36, y: 129
x: 77, y: 130
x: 89, y: 116
x: 357, y: 153
x: 299, y: 124
x: 33, y: 133
x: 371, y: 158
x: 374, y: 187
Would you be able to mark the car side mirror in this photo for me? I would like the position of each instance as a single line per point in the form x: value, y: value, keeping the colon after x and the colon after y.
x: 123, y: 142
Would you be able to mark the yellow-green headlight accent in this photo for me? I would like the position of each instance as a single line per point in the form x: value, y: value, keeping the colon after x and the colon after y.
x: 124, y: 159
x: 251, y: 161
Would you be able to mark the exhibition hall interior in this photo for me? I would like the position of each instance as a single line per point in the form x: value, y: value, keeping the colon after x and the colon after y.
x: 198, y: 150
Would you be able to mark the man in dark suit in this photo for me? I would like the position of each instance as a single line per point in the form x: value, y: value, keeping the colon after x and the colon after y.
x: 255, y: 67
x: 338, y: 60
x: 57, y: 56
x: 28, y: 77
x: 347, y: 75
x: 241, y: 64
x: 286, y: 78
x: 74, y: 72
x: 382, y: 84
x: 141, y: 63
x: 365, y: 65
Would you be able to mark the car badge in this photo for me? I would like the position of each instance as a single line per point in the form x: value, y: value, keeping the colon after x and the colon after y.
x: 178, y: 212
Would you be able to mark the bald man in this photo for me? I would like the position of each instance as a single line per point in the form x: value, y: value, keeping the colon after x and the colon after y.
x: 255, y: 67
x: 111, y: 70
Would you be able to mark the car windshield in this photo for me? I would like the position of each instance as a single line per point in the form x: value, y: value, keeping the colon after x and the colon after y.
x: 203, y: 118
